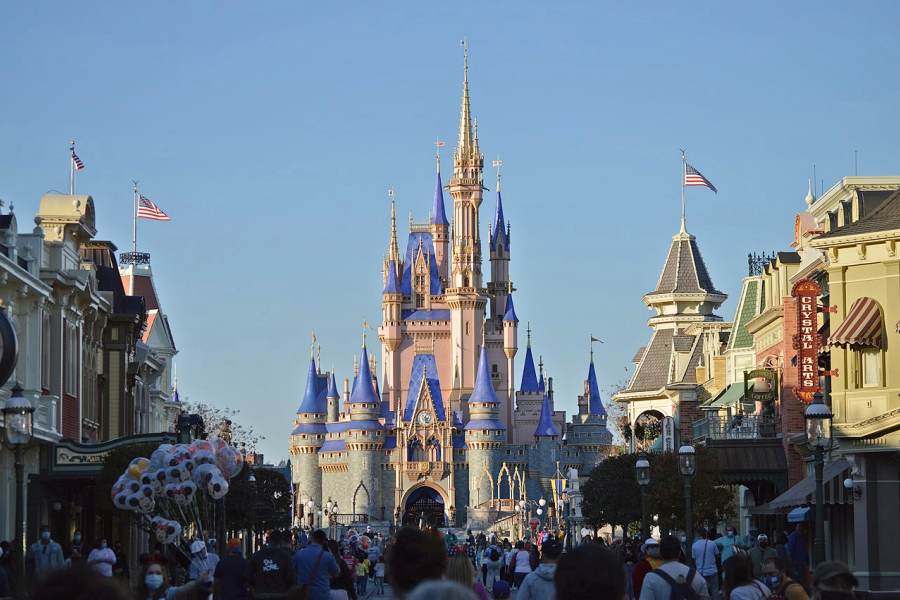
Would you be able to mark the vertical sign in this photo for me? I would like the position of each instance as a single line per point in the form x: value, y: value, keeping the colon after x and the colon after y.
x: 668, y: 434
x: 806, y: 292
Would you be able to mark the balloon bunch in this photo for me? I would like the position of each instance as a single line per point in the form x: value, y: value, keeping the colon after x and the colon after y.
x: 177, y: 484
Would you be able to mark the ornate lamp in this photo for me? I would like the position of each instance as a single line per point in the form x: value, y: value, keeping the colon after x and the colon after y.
x: 818, y: 422
x: 818, y: 433
x: 642, y: 472
x: 687, y: 464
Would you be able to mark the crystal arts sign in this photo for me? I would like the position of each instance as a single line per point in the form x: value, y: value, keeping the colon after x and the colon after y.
x: 806, y: 341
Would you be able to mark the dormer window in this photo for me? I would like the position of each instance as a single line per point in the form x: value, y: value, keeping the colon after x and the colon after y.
x: 421, y: 280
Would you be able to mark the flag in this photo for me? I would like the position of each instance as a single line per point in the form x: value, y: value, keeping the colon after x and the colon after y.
x: 77, y: 162
x: 593, y: 339
x: 694, y: 177
x: 147, y: 209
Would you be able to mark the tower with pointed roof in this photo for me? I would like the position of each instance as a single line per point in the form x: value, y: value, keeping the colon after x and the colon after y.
x: 485, y: 435
x: 309, y: 435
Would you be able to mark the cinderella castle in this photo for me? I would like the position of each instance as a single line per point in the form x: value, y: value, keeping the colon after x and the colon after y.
x: 444, y: 438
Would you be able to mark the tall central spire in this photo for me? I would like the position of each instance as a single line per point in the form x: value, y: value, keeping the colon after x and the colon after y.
x: 394, y: 248
x: 464, y: 143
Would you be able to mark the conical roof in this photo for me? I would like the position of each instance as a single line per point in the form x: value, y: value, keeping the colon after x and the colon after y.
x: 438, y: 216
x: 684, y: 271
x: 529, y: 375
x: 484, y: 388
x: 392, y: 286
x: 499, y: 233
x: 332, y: 388
x: 313, y: 398
x: 546, y: 427
x: 510, y: 313
x: 364, y: 391
x: 595, y: 403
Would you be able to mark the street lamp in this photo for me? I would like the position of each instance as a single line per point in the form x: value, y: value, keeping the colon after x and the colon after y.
x: 818, y: 434
x: 310, y: 505
x: 642, y: 472
x: 252, y: 481
x: 18, y: 418
x: 687, y: 464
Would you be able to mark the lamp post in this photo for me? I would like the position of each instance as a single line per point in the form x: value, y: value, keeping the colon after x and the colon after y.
x: 818, y: 433
x: 310, y: 510
x: 541, y: 503
x: 567, y: 518
x: 687, y: 464
x: 252, y: 481
x: 18, y: 415
x: 642, y: 472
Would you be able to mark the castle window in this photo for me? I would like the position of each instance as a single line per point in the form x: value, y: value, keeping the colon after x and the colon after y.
x: 494, y: 369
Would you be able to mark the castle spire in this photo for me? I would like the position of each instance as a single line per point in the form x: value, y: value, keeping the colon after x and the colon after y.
x: 466, y: 139
x: 394, y: 247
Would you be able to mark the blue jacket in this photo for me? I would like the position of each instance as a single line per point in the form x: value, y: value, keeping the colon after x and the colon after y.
x: 46, y: 557
x: 320, y: 581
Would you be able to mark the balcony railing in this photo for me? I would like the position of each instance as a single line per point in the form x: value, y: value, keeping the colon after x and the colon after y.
x: 737, y: 427
x: 134, y: 258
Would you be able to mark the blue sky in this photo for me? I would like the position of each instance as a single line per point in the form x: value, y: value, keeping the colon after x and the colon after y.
x: 271, y: 132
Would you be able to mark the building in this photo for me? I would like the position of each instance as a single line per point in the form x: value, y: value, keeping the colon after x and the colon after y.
x: 446, y: 429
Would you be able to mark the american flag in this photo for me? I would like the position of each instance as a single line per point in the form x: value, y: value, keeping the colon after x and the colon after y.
x: 77, y: 162
x: 694, y: 177
x: 147, y: 209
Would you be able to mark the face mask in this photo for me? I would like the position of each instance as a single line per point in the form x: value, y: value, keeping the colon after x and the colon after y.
x: 772, y: 581
x: 153, y: 581
x: 45, y: 535
x: 103, y: 545
x: 730, y: 534
x: 763, y: 544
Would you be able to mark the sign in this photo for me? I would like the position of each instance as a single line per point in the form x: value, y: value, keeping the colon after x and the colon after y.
x: 755, y: 391
x: 806, y: 293
x: 668, y: 434
x: 73, y: 456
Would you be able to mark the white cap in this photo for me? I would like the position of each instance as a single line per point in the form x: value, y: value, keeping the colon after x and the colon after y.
x: 651, y: 542
x: 197, y: 546
x: 762, y: 538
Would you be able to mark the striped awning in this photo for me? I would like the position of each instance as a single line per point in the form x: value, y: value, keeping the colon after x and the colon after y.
x: 861, y: 327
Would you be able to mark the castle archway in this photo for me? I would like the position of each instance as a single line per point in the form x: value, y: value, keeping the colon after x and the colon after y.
x: 424, y: 507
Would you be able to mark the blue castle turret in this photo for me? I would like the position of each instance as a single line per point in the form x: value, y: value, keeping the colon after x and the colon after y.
x: 309, y: 435
x: 485, y: 433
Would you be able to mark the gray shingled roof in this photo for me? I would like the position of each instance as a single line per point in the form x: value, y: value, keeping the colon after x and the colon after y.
x: 884, y: 218
x: 683, y: 343
x: 653, y: 372
x: 690, y: 372
x: 638, y: 355
x: 684, y: 271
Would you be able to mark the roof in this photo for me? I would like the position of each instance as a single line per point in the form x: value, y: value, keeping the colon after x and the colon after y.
x: 362, y: 393
x: 143, y: 286
x: 789, y: 258
x: 438, y: 216
x: 653, y: 371
x: 499, y: 232
x: 529, y: 375
x: 309, y: 428
x: 412, y: 249
x: 314, y: 397
x: 390, y: 442
x: 802, y: 492
x: 884, y: 218
x: 546, y: 427
x: 459, y: 442
x: 424, y: 371
x: 729, y: 396
x: 485, y: 424
x: 747, y: 309
x: 333, y: 446
x: 595, y: 402
x: 637, y: 355
x: 484, y: 387
x: 332, y: 388
x: 391, y: 286
x: 510, y: 313
x: 861, y: 327
x: 684, y: 271
x: 435, y: 314
x: 682, y: 343
x: 690, y: 370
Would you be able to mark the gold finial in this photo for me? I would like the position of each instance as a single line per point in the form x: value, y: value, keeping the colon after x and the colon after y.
x: 497, y: 164
x: 438, y: 144
x: 312, y: 345
x: 365, y: 332
x: 318, y: 357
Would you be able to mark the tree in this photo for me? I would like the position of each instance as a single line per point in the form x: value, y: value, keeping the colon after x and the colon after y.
x: 612, y: 495
x: 222, y: 422
x: 270, y: 508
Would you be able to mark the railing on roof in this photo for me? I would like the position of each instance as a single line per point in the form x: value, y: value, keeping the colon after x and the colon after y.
x: 756, y: 263
x: 134, y: 258
x: 737, y: 427
x: 349, y: 518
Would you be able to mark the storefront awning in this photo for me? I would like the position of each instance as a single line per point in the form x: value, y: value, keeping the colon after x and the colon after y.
x: 801, y: 493
x: 799, y: 514
x: 861, y: 327
x: 730, y: 396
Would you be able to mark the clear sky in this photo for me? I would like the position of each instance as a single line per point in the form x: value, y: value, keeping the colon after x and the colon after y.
x: 271, y: 131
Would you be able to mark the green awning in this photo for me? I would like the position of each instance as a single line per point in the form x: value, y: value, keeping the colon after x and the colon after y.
x: 730, y: 396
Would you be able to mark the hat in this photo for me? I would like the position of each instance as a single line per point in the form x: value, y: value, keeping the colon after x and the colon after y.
x: 833, y: 574
x: 197, y: 546
x: 234, y: 543
x: 651, y: 542
x: 501, y: 589
x: 762, y: 538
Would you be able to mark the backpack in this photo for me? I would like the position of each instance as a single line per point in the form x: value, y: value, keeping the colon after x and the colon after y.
x: 781, y: 592
x: 680, y: 591
x: 493, y: 554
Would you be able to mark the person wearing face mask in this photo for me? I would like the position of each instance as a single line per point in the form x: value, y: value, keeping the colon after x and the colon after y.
x: 102, y: 559
x: 44, y: 555
x: 76, y: 553
x: 154, y: 583
x: 775, y: 578
x: 760, y: 553
x: 201, y: 560
x: 726, y: 544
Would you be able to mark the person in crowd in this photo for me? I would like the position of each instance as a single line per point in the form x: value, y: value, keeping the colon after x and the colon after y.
x: 705, y: 553
x: 441, y: 590
x: 672, y: 578
x: 832, y: 580
x: 739, y: 582
x: 628, y: 556
x: 727, y: 544
x: 342, y: 585
x: 500, y: 590
x: 154, y: 583
x: 315, y: 567
x: 379, y: 576
x: 521, y: 564
x: 414, y: 557
x: 589, y: 572
x: 798, y: 554
x: 760, y: 553
x: 781, y: 542
x: 492, y: 559
x: 76, y: 550
x: 78, y: 583
x: 230, y: 577
x: 271, y: 571
x: 508, y: 552
x: 362, y: 575
x: 44, y: 555
x: 121, y: 569
x: 5, y: 584
x: 649, y: 562
x: 461, y: 570
x: 776, y: 579
x: 538, y: 585
x: 102, y: 558
x: 302, y: 539
x: 201, y: 561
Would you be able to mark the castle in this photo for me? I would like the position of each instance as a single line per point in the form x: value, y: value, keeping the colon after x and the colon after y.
x: 447, y: 439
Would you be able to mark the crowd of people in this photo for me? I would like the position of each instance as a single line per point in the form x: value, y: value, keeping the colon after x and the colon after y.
x: 417, y: 564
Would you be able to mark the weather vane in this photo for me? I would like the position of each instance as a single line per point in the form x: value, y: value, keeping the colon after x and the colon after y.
x: 497, y: 164
x: 365, y: 332
x: 594, y: 339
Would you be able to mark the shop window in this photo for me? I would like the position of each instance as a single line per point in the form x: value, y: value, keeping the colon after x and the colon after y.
x: 870, y: 363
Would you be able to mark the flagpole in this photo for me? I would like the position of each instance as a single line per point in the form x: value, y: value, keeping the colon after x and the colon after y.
x: 134, y: 220
x: 683, y: 173
x: 71, y: 167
